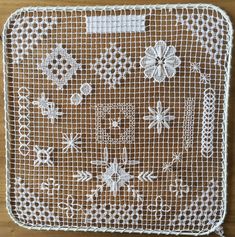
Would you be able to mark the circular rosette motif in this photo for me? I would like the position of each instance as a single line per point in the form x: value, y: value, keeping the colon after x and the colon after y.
x: 160, y: 61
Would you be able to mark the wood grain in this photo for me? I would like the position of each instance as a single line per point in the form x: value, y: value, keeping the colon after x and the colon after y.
x: 7, y: 227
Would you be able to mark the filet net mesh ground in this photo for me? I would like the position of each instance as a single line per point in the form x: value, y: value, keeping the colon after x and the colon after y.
x: 116, y: 118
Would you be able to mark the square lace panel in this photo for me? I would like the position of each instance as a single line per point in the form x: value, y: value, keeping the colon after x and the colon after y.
x: 116, y: 118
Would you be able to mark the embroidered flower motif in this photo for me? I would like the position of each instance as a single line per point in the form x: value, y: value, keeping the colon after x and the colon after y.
x: 159, y: 117
x: 195, y: 67
x: 72, y: 142
x: 50, y: 186
x: 159, y: 207
x: 69, y: 206
x: 59, y: 66
x: 178, y: 188
x: 160, y: 61
x: 205, y: 78
x: 43, y: 156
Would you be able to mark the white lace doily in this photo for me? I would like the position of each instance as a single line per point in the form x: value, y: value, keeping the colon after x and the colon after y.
x: 116, y: 118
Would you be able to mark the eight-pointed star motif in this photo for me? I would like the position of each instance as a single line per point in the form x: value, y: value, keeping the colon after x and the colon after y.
x: 160, y: 61
x: 159, y: 117
x: 72, y: 142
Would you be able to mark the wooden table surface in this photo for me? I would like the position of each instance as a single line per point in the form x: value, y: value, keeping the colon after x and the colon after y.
x: 7, y: 227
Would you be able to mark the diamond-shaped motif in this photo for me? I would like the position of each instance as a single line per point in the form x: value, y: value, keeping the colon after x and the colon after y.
x: 59, y: 66
x: 113, y: 65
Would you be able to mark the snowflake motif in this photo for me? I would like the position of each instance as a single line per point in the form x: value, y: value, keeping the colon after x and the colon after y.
x: 195, y: 67
x: 177, y: 157
x: 72, y: 142
x: 159, y: 208
x: 52, y: 113
x: 160, y: 61
x: 205, y: 78
x: 178, y: 188
x: 50, y: 186
x: 43, y: 156
x: 59, y: 66
x: 42, y: 103
x: 159, y: 117
x: 69, y: 206
x: 47, y: 108
x: 167, y: 167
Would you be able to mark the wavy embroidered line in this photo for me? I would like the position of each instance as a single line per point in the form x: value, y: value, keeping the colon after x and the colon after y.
x: 24, y: 122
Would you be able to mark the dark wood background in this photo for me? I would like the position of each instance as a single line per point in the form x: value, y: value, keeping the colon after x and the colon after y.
x: 7, y: 227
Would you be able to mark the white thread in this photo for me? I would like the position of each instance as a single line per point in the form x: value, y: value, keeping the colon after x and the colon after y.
x: 115, y: 214
x: 203, y: 214
x: 115, y: 24
x: 124, y: 114
x: 43, y: 156
x: 48, y: 108
x: 208, y: 123
x: 160, y: 62
x: 28, y: 33
x: 188, y: 125
x: 113, y: 65
x: 179, y: 188
x: 69, y: 207
x: 50, y: 186
x: 86, y: 89
x: 59, y: 66
x: 83, y: 176
x: 208, y: 30
x: 72, y: 142
x: 168, y: 166
x: 159, y: 208
x: 24, y: 131
x: 30, y: 209
x: 159, y: 118
x: 147, y: 151
x: 76, y: 99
